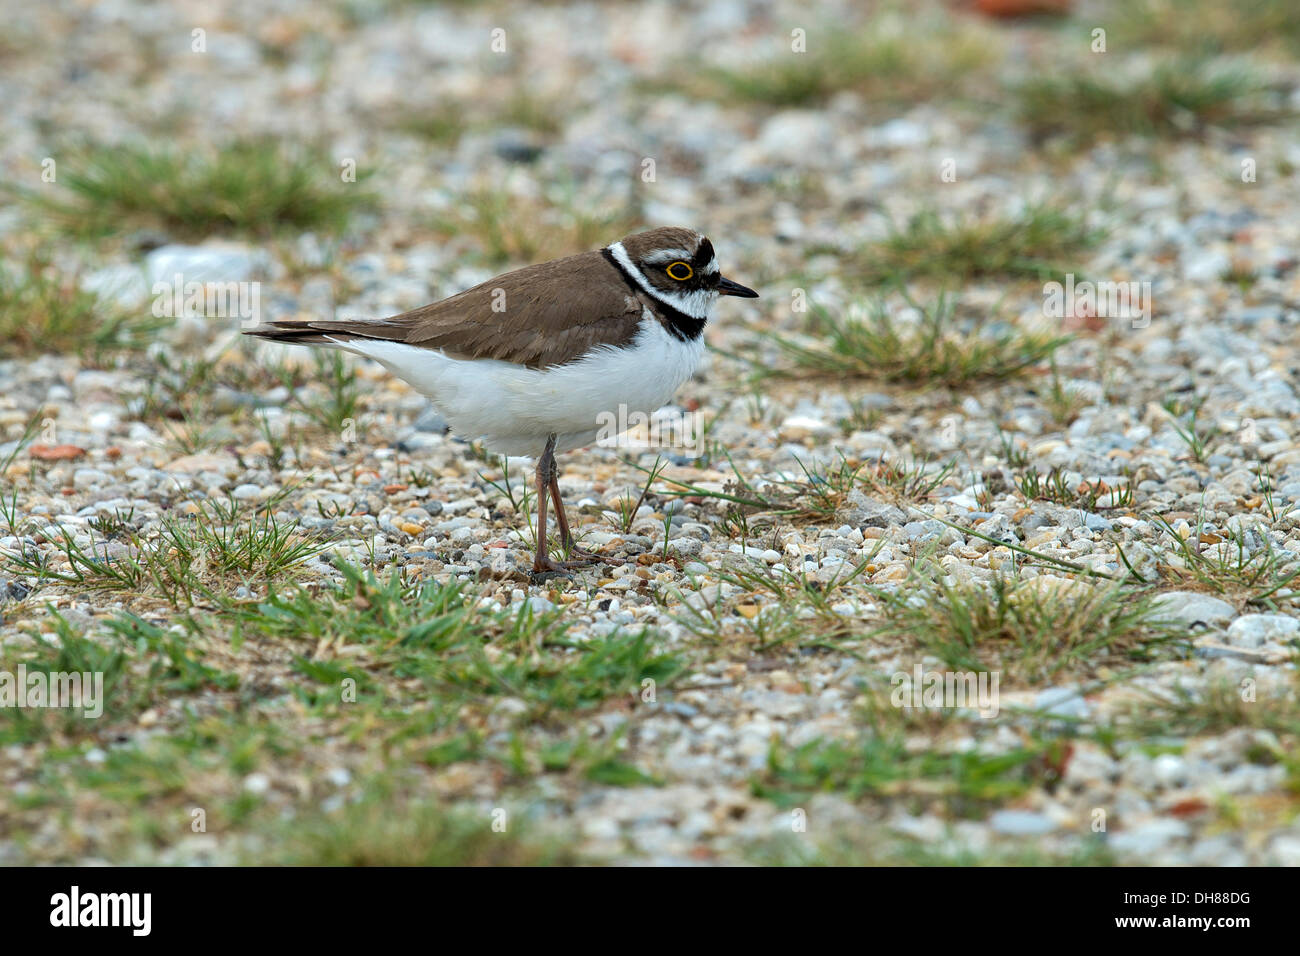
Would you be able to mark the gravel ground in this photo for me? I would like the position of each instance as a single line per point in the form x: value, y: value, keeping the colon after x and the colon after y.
x: 1182, y: 754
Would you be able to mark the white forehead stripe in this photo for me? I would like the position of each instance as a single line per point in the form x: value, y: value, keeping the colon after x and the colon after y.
x: 669, y: 255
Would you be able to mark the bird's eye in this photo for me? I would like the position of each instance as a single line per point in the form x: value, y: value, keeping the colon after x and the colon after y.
x: 680, y: 271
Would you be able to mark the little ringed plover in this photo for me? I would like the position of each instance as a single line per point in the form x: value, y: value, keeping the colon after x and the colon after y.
x: 532, y: 361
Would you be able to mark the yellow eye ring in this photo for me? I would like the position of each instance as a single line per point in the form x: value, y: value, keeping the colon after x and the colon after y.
x: 679, y: 266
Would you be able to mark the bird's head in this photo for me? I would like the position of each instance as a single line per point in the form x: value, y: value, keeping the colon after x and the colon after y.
x: 678, y: 267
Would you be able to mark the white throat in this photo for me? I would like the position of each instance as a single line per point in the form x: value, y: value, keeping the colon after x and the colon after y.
x: 696, y: 304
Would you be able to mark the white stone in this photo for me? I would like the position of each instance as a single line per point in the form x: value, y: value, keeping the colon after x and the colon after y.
x: 1256, y: 630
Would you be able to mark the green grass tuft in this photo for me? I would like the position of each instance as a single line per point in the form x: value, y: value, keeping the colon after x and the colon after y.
x: 1038, y: 242
x: 873, y: 343
x: 875, y: 61
x: 870, y: 848
x: 255, y: 187
x: 883, y: 766
x: 405, y: 832
x: 183, y: 560
x: 1030, y: 632
x: 888, y: 760
x: 457, y: 651
x: 1087, y: 495
x: 1206, y: 27
x: 1175, y: 99
x: 45, y: 310
x: 1235, y: 563
x: 512, y: 229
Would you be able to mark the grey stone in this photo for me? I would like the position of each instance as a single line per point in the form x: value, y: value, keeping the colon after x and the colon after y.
x: 685, y: 547
x: 1148, y: 837
x: 516, y: 145
x: 1021, y: 823
x: 124, y: 285
x: 1095, y: 522
x: 865, y: 512
x: 681, y: 709
x: 431, y: 421
x: 13, y: 591
x: 540, y: 605
x: 218, y: 262
x: 930, y: 530
x: 1219, y: 651
x: 1062, y: 702
x: 1191, y: 609
x: 1285, y: 850
x: 998, y: 526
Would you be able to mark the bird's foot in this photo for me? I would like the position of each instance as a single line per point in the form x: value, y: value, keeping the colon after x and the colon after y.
x: 544, y: 569
x: 578, y: 556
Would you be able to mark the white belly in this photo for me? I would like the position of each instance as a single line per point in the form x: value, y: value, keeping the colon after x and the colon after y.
x: 513, y: 409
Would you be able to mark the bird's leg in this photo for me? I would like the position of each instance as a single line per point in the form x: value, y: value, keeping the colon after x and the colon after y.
x: 566, y: 536
x: 553, y: 483
x: 545, y: 475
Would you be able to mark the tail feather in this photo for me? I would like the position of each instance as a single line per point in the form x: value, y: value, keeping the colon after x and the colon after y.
x: 331, y: 332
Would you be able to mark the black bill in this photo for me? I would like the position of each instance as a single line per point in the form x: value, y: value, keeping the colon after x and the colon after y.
x: 727, y: 287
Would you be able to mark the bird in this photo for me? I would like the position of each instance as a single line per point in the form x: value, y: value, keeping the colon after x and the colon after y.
x: 534, y: 362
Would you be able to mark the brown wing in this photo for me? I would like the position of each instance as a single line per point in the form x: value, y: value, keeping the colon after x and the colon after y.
x: 538, y: 316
